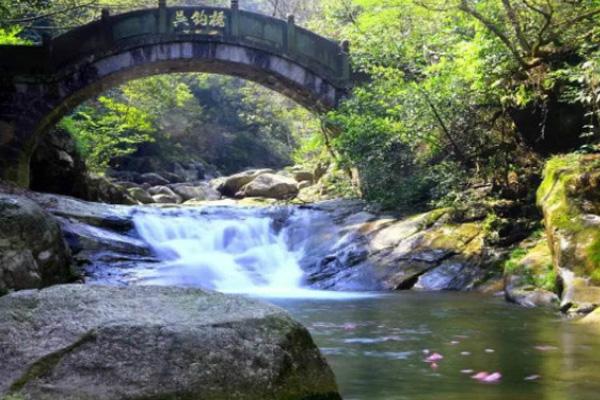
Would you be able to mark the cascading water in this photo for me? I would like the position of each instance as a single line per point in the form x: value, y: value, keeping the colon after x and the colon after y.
x: 233, y: 250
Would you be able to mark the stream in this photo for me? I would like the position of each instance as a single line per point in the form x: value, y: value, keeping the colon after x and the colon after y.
x: 376, y: 343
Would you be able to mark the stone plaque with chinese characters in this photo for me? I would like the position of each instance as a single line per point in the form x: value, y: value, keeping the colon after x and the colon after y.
x: 200, y: 22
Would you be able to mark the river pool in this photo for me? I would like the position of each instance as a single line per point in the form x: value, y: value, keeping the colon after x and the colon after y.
x: 377, y: 347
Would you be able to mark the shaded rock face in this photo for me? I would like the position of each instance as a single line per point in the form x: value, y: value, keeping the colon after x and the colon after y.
x: 570, y: 199
x: 91, y: 342
x: 270, y: 186
x: 57, y: 167
x: 33, y: 253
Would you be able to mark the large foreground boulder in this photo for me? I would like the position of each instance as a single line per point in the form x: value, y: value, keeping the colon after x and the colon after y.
x: 270, y: 186
x: 100, y: 343
x: 33, y: 253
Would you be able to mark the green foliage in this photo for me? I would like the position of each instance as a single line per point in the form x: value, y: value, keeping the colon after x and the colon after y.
x: 10, y: 36
x: 226, y: 122
x: 107, y: 130
x: 443, y: 79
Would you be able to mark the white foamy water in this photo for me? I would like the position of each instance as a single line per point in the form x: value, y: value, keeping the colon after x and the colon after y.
x: 229, y: 249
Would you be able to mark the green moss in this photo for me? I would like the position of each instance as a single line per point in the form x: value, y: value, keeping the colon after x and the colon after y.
x: 593, y: 255
x: 547, y: 280
x: 568, y: 190
x: 513, y: 264
x: 432, y: 217
x: 533, y: 263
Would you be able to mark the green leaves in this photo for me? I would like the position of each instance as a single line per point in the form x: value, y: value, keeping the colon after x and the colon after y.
x: 108, y: 129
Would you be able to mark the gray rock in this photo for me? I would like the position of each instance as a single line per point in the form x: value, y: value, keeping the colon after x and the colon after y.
x: 90, y: 342
x: 33, y: 253
x: 115, y: 217
x: 453, y: 274
x: 172, y: 177
x: 230, y: 185
x: 166, y: 199
x: 153, y: 179
x: 140, y: 195
x: 169, y: 195
x: 100, y: 189
x: 270, y: 186
x: 200, y: 192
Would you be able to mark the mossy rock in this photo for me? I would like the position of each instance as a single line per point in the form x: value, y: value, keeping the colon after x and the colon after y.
x: 530, y: 278
x: 570, y: 199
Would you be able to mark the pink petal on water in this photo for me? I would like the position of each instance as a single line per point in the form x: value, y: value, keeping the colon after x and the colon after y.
x: 434, y: 366
x: 349, y: 326
x: 434, y: 357
x: 480, y: 376
x: 492, y: 378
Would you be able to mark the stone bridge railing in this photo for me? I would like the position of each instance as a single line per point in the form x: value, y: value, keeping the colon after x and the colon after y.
x: 324, y: 57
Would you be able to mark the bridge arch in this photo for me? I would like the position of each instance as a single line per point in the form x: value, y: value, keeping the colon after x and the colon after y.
x: 41, y: 84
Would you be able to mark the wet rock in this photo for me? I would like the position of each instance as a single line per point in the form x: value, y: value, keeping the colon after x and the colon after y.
x: 140, y: 195
x: 452, y: 274
x: 230, y: 185
x: 82, y: 237
x: 199, y: 192
x: 270, y: 186
x: 579, y: 295
x: 113, y: 217
x: 530, y: 296
x: 148, y: 342
x: 33, y: 253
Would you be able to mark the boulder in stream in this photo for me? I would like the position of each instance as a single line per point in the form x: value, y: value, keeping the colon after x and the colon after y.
x: 230, y: 185
x: 270, y: 186
x: 102, y: 343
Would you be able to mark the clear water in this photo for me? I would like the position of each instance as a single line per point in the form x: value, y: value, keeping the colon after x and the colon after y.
x: 376, y: 348
x: 375, y: 343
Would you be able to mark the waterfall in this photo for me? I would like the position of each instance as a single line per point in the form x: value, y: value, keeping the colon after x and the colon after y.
x: 229, y: 249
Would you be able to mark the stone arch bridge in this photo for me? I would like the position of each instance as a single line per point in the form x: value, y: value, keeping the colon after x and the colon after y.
x: 41, y: 84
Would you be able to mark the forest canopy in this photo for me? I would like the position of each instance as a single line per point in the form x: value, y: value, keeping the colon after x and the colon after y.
x: 453, y: 94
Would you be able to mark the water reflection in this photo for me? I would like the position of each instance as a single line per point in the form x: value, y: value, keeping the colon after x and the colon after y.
x: 377, y: 348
